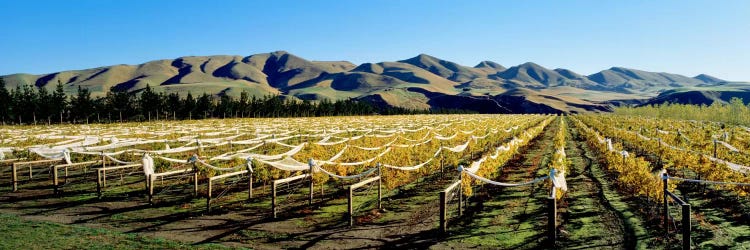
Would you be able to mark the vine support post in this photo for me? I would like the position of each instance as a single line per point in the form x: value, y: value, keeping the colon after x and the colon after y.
x: 380, y: 190
x: 715, y: 142
x: 665, y: 205
x: 55, y: 182
x: 441, y: 160
x: 686, y: 226
x: 14, y: 176
x: 311, y: 164
x: 250, y: 178
x: 460, y: 191
x: 195, y: 179
x: 104, y: 174
x: 99, y: 184
x: 661, y: 151
x: 250, y: 186
x: 273, y: 200
x: 552, y: 218
x: 351, y: 207
x: 150, y: 189
x: 443, y: 212
x: 208, y: 195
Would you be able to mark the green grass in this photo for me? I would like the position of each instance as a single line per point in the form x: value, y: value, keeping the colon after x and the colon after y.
x: 633, y: 223
x: 713, y: 227
x: 515, y: 217
x: 22, y: 234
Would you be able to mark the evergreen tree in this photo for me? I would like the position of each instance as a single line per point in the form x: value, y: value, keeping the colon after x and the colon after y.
x: 188, y: 106
x: 203, y: 106
x: 119, y: 105
x: 43, y: 105
x: 173, y: 105
x: 82, y: 107
x: 5, y: 102
x: 58, y: 102
x: 149, y: 102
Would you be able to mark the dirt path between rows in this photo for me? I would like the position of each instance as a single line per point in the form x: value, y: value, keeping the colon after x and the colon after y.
x: 588, y: 219
x: 509, y: 218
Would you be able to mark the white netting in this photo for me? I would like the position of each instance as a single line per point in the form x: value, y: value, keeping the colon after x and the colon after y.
x: 148, y: 165
x: 53, y: 154
x: 474, y: 167
x: 415, y: 167
x: 287, y: 164
x: 503, y: 184
x: 445, y: 138
x: 171, y: 159
x: 248, y: 164
x: 558, y: 179
x: 116, y: 160
x: 727, y: 145
x: 366, y: 173
x: 291, y: 152
x: 333, y: 162
x: 459, y: 148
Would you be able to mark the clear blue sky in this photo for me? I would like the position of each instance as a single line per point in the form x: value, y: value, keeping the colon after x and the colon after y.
x: 685, y: 37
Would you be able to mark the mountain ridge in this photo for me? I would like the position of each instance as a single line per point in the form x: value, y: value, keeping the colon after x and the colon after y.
x: 422, y: 81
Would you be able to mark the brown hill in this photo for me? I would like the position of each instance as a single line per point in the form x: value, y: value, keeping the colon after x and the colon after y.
x: 419, y: 82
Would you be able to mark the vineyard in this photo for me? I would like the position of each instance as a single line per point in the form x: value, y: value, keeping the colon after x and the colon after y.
x: 419, y: 181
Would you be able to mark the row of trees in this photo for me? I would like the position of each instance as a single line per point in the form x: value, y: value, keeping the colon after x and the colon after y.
x: 32, y: 105
x: 734, y: 112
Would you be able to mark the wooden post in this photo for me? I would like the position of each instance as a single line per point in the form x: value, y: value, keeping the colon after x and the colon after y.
x: 208, y: 195
x: 195, y: 180
x: 147, y: 180
x: 442, y: 174
x: 104, y: 172
x: 98, y: 183
x: 380, y: 189
x: 55, y: 182
x: 14, y: 177
x: 443, y: 212
x: 151, y: 189
x: 309, y: 202
x: 31, y: 176
x: 250, y: 186
x: 715, y: 142
x: 460, y: 193
x: 665, y: 207
x: 273, y: 200
x: 686, y: 226
x: 552, y: 218
x: 351, y: 208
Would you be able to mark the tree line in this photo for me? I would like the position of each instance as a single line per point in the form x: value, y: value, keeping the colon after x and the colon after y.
x: 735, y: 112
x: 31, y: 105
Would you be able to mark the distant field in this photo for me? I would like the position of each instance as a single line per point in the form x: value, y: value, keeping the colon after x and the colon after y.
x: 132, y: 185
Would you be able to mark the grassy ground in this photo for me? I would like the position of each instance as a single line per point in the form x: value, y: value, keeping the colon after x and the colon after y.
x: 23, y: 234
x: 509, y: 218
x: 717, y: 217
x: 595, y: 207
x: 588, y: 220
x: 593, y: 215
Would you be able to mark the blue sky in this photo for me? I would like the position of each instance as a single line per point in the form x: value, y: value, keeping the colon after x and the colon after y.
x: 685, y: 37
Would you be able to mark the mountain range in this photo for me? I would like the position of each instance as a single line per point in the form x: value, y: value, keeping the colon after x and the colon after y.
x: 419, y: 82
